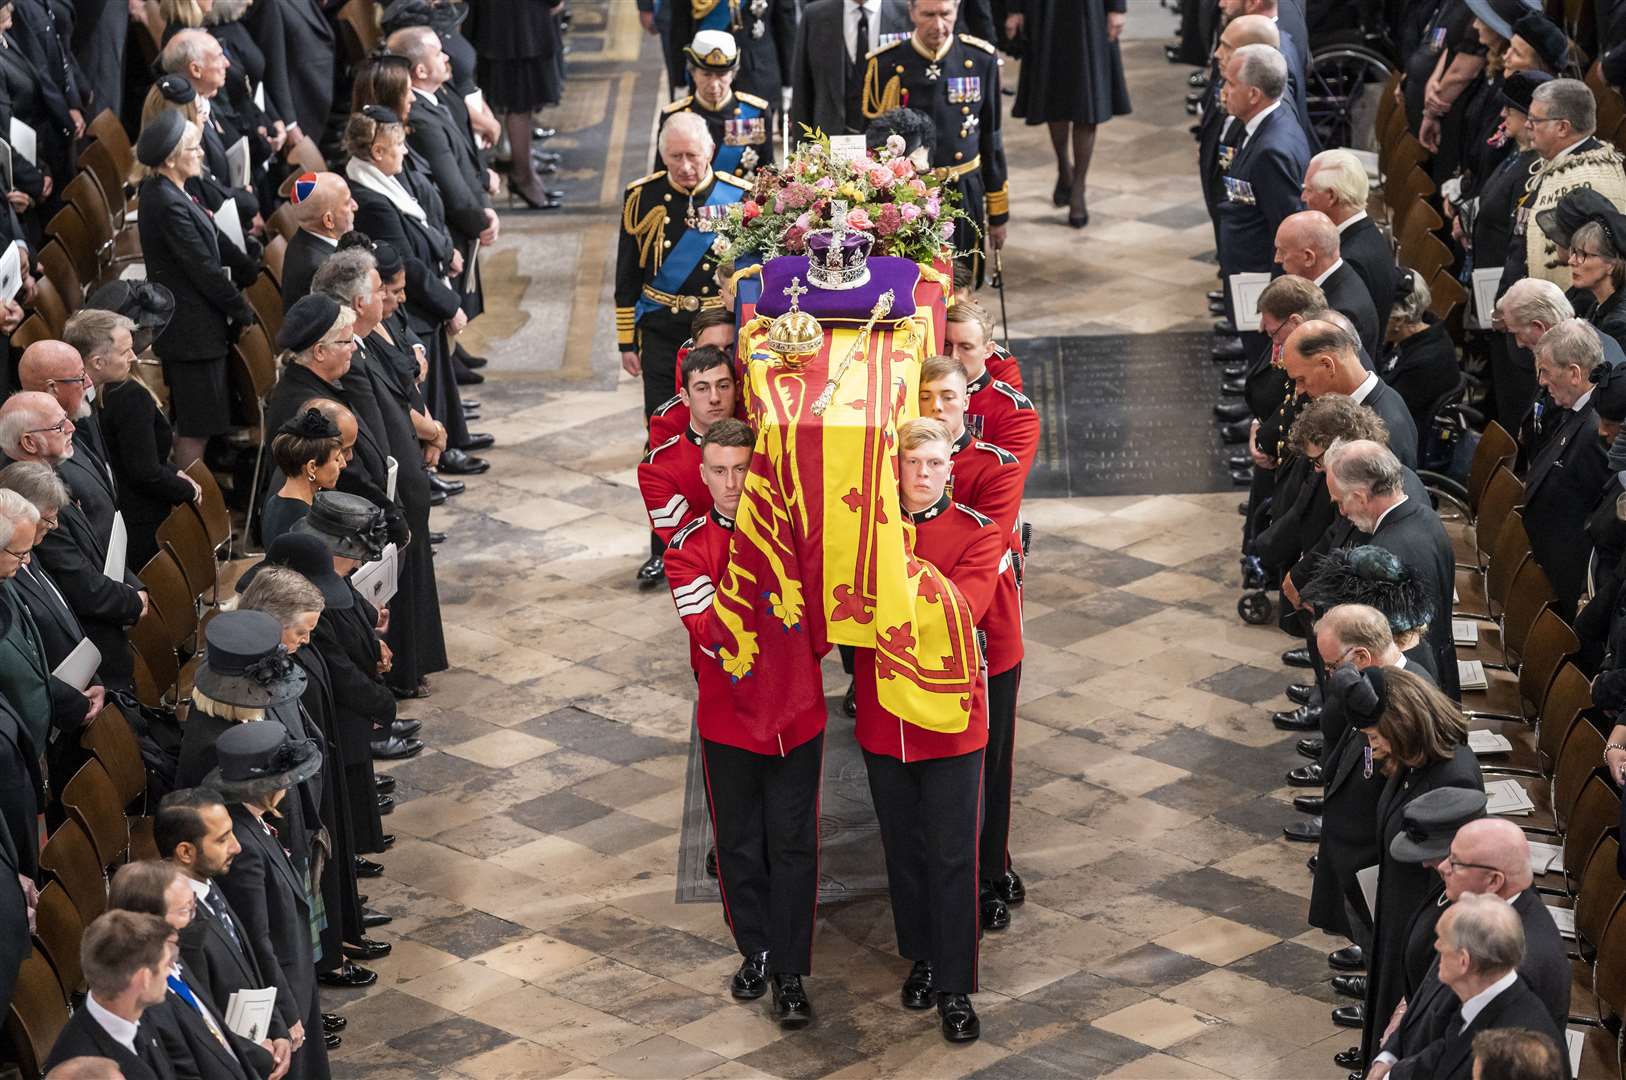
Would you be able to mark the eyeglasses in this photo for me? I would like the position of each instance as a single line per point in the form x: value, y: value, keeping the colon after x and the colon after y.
x: 19, y: 556
x: 1577, y: 255
x: 1533, y: 119
x: 1455, y: 864
x: 79, y: 379
x: 59, y: 428
x: 347, y: 343
x: 50, y: 523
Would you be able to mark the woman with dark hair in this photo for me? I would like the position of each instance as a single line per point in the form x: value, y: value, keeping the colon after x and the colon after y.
x: 23, y: 99
x: 308, y: 451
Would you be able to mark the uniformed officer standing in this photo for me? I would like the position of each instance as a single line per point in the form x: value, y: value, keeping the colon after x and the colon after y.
x: 954, y: 79
x: 741, y: 124
x: 764, y: 29
x: 664, y: 270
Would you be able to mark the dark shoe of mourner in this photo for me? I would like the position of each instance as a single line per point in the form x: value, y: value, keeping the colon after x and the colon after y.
x: 471, y: 412
x: 1242, y: 508
x: 995, y: 915
x: 1232, y: 410
x: 1307, y: 831
x: 1311, y: 747
x: 535, y: 198
x: 1063, y: 193
x: 386, y: 841
x: 406, y: 726
x: 1349, y: 1059
x: 466, y: 377
x: 751, y: 981
x: 468, y: 402
x: 917, y: 988
x: 1216, y: 296
x: 408, y: 695
x: 1234, y: 387
x: 543, y: 134
x: 1238, y: 462
x: 1303, y: 718
x: 332, y: 1040
x: 790, y: 1005
x: 370, y: 919
x: 367, y: 949
x: 1225, y: 327
x: 367, y: 868
x: 1310, y: 863
x: 1077, y: 221
x: 1309, y: 804
x: 334, y: 1022
x: 476, y: 442
x: 960, y: 1022
x: 462, y: 463
x: 437, y: 538
x: 849, y: 700
x: 1349, y: 958
x: 1229, y: 349
x: 1234, y: 371
x: 1299, y: 693
x: 1009, y: 888
x: 1242, y: 477
x: 347, y: 976
x: 1350, y: 1016
x: 652, y: 573
x: 439, y: 483
x: 384, y: 783
x: 386, y: 804
x: 711, y: 861
x: 1350, y: 986
x: 1236, y: 432
x: 472, y: 361
x: 1306, y: 776
x: 436, y: 498
x: 1216, y: 307
x: 394, y: 749
x: 1297, y: 658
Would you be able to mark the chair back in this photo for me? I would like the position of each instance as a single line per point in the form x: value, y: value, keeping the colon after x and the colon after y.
x: 1583, y: 749
x: 59, y: 268
x: 276, y: 250
x: 112, y: 742
x: 57, y: 930
x: 174, y: 601
x: 68, y: 229
x: 36, y: 1015
x: 70, y: 858
x: 212, y: 505
x: 93, y: 802
x: 1596, y: 811
x: 1496, y: 448
x: 183, y: 534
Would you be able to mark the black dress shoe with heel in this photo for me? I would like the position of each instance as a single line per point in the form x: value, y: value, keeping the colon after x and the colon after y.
x: 1311, y: 747
x: 1306, y: 831
x: 960, y: 1023
x: 1232, y: 411
x: 1303, y: 718
x: 367, y: 949
x: 334, y: 1022
x: 1299, y: 657
x: 384, y: 784
x: 1306, y: 776
x: 1349, y: 1059
x: 476, y: 442
x: 347, y: 976
x: 460, y: 462
x: 751, y: 980
x: 1309, y: 804
x: 790, y: 1005
x: 917, y: 988
x: 652, y: 573
x: 1350, y: 1016
x: 367, y: 868
x: 370, y: 919
x: 439, y: 483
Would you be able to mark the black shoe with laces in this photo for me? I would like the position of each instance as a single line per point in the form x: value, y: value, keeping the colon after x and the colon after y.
x: 751, y: 980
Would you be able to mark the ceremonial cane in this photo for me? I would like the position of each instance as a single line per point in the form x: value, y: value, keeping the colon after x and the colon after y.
x: 999, y: 283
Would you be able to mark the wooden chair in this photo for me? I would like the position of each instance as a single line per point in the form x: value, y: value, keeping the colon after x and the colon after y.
x: 275, y: 251
x: 266, y: 299
x: 50, y: 306
x: 57, y: 931
x: 154, y: 645
x: 92, y: 801
x: 70, y: 858
x: 109, y: 132
x: 33, y: 329
x: 148, y: 691
x: 358, y: 30
x: 1483, y: 592
x: 1601, y: 1055
x: 112, y: 742
x: 1596, y: 811
x: 1446, y: 294
x: 1601, y: 892
x: 183, y: 535
x: 85, y: 195
x: 281, y: 222
x: 1567, y: 698
x: 36, y: 1015
x: 68, y: 229
x: 1412, y: 223
x: 1430, y: 258
x: 61, y: 272
x: 176, y: 604
x: 99, y: 161
x: 212, y: 505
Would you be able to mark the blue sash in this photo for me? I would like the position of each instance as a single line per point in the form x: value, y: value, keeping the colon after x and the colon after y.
x: 685, y: 255
x: 720, y: 17
x: 727, y: 158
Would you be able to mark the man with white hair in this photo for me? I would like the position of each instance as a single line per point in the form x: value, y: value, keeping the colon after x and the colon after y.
x: 665, y: 271
x: 1529, y: 308
x: 1336, y: 184
x: 1307, y: 245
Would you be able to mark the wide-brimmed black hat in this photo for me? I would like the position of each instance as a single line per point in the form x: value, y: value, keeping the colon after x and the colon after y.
x: 346, y: 524
x: 1574, y: 209
x: 1372, y: 576
x: 1500, y: 15
x: 1546, y: 37
x: 1430, y: 822
x: 258, y: 758
x: 1520, y: 87
x: 309, y: 557
x: 244, y: 663
x: 146, y: 303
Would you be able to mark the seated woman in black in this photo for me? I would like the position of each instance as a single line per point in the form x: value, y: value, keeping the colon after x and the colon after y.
x: 308, y: 451
x: 1420, y: 363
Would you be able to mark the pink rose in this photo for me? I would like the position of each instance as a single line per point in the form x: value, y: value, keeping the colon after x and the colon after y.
x: 824, y: 183
x: 948, y: 230
x: 859, y: 219
x: 918, y: 186
x: 902, y: 168
x: 803, y: 223
x: 933, y: 207
x: 751, y: 210
x: 881, y: 178
x: 779, y: 203
x: 909, y: 212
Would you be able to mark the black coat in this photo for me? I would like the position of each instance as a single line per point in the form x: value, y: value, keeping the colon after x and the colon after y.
x: 139, y: 437
x: 59, y: 628
x: 44, y: 702
x: 1565, y: 480
x: 221, y: 968
x: 192, y: 1048
x: 1451, y: 1056
x: 84, y: 1037
x: 1610, y: 317
x: 298, y: 43
x: 454, y: 162
x: 305, y: 255
x: 818, y: 82
x: 1368, y: 253
x: 1347, y: 293
x: 1499, y: 195
x: 268, y: 895
x: 1413, y: 533
x: 182, y: 252
x: 1403, y: 888
x: 24, y: 96
x: 426, y: 249
x: 1271, y: 164
x: 1396, y: 415
x: 14, y: 940
x: 105, y: 608
x: 89, y: 481
x: 1608, y: 535
x: 1421, y: 369
x: 21, y: 799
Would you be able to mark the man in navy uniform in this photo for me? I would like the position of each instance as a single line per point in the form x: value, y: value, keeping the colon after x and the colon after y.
x: 741, y: 124
x: 765, y: 31
x: 665, y: 270
x: 954, y: 79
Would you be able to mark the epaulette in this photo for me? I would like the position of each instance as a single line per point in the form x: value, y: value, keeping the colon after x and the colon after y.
x: 678, y: 106
x: 738, y: 181
x: 1004, y: 455
x: 685, y: 532
x: 879, y: 49
x: 985, y: 46
x: 649, y: 458
x: 1019, y: 399
x: 668, y: 405
x: 642, y: 180
x: 752, y: 99
x: 980, y: 519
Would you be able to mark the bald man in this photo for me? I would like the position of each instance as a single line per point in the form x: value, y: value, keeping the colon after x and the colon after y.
x: 325, y: 214
x: 56, y: 368
x: 1307, y: 245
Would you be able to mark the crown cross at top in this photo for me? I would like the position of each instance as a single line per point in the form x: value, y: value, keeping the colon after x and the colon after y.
x: 795, y: 290
x: 837, y: 254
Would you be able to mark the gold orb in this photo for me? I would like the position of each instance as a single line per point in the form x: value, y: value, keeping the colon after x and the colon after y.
x: 796, y: 336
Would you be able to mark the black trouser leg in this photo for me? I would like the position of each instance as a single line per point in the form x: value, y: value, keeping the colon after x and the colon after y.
x: 659, y: 338
x: 928, y: 813
x: 1513, y: 381
x: 847, y: 653
x: 999, y: 759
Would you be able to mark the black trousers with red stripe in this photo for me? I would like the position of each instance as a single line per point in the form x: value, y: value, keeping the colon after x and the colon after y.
x: 999, y: 759
x: 765, y: 814
x: 928, y: 811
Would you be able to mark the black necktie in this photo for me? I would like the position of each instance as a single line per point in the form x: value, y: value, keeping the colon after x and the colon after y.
x: 855, y: 73
x: 216, y: 902
x: 861, y: 39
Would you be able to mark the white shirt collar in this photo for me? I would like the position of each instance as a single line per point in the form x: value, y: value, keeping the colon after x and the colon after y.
x: 123, y: 1032
x: 1580, y: 402
x: 1476, y: 1004
x: 201, y: 888
x: 1378, y: 524
x: 1359, y: 215
x: 1568, y: 148
x: 428, y: 95
x: 1325, y: 274
x: 330, y: 241
x: 1259, y: 117
x: 1368, y: 384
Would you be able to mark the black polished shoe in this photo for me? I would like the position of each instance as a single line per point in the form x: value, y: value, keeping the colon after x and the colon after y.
x: 439, y: 483
x: 751, y: 981
x: 1349, y: 958
x: 1009, y: 888
x: 386, y: 804
x: 1234, y: 371
x: 1307, y: 831
x: 1233, y: 387
x: 1349, y: 1059
x: 1303, y: 718
x: 384, y: 783
x: 1238, y: 462
x: 1236, y: 432
x: 347, y: 976
x: 790, y: 1005
x: 1350, y: 1016
x: 465, y: 377
x: 1297, y: 658
x: 370, y: 919
x: 471, y: 412
x: 1306, y: 776
x: 1233, y: 410
x: 652, y: 573
x: 394, y: 749
x: 332, y: 1040
x: 367, y: 868
x: 849, y: 700
x: 917, y: 988
x: 1310, y: 862
x: 1309, y: 804
x: 334, y: 1022
x: 543, y: 134
x: 1353, y: 986
x: 472, y: 361
x: 436, y: 498
x: 1225, y: 328
x: 386, y: 841
x: 367, y: 949
x: 1216, y: 296
x: 960, y: 1022
x: 1229, y: 349
x: 1216, y: 307
x: 1311, y: 747
x: 995, y: 915
x: 437, y: 538
x: 476, y: 442
x: 711, y: 861
x: 461, y: 463
x: 1299, y: 693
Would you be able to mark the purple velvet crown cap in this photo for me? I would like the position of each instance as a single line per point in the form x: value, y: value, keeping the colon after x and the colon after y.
x: 818, y: 245
x: 853, y: 305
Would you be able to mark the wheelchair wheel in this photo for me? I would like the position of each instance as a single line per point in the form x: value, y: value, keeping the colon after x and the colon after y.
x: 1254, y: 607
x: 1344, y: 80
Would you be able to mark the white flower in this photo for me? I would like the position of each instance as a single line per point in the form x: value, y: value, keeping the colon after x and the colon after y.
x: 719, y: 246
x: 895, y: 146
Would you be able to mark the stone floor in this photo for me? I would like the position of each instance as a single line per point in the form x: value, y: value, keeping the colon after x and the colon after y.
x: 532, y: 884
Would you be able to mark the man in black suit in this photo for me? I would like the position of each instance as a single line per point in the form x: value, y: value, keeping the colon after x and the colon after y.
x: 1218, y: 133
x: 55, y: 368
x: 1322, y: 358
x: 325, y: 212
x: 1567, y: 474
x: 1307, y: 245
x: 1480, y: 944
x: 300, y: 61
x: 829, y: 96
x: 193, y: 830
x: 1336, y: 185
x: 1293, y: 42
x: 126, y: 957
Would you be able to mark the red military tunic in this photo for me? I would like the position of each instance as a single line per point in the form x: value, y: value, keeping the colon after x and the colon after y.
x: 696, y: 559
x: 673, y: 416
x: 967, y: 547
x: 988, y: 479
x: 669, y: 478
x: 1004, y: 366
x: 997, y: 412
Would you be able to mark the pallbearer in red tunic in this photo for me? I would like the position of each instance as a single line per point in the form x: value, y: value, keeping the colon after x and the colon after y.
x: 927, y: 783
x: 669, y: 476
x: 988, y: 479
x: 996, y: 411
x: 763, y: 787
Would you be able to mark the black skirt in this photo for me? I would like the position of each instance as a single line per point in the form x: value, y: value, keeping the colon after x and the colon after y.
x: 199, y: 397
x: 519, y: 86
x: 1071, y: 72
x: 521, y: 64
